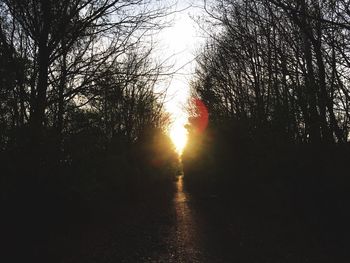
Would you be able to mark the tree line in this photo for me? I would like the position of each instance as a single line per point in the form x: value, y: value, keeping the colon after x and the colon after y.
x: 71, y: 65
x: 279, y: 67
x: 274, y: 77
x: 79, y: 91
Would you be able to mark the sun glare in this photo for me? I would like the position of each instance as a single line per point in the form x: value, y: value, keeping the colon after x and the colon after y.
x: 179, y: 41
x: 178, y: 135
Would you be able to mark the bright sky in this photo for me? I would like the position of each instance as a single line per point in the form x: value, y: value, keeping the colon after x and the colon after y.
x: 180, y: 42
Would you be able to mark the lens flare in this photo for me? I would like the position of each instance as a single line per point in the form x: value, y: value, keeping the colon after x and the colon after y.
x: 200, y: 118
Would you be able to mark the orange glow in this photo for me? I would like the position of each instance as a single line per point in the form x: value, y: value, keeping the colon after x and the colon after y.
x: 178, y: 135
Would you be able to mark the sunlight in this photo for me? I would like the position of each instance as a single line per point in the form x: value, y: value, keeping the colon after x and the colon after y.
x: 178, y: 135
x: 179, y: 42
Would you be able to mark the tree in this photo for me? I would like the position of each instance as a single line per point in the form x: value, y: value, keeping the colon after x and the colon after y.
x: 72, y: 39
x: 274, y: 64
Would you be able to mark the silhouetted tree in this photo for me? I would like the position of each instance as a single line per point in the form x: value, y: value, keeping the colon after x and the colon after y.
x: 275, y: 65
x: 62, y: 49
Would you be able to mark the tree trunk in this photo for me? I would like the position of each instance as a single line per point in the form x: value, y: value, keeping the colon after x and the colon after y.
x: 61, y: 88
x: 315, y: 132
x: 38, y: 116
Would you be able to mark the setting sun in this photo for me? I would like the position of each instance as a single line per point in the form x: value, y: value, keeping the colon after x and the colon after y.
x: 178, y: 135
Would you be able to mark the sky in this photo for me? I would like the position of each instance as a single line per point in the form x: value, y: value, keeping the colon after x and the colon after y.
x: 179, y: 42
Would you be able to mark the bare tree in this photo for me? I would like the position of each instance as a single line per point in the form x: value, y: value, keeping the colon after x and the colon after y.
x: 276, y: 64
x: 72, y: 39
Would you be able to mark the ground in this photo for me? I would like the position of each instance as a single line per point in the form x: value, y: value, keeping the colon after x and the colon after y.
x: 175, y: 225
